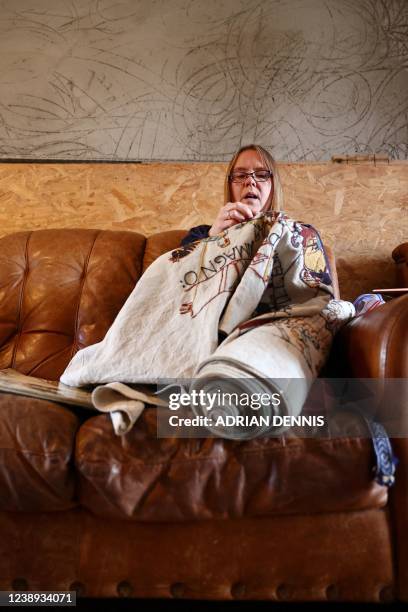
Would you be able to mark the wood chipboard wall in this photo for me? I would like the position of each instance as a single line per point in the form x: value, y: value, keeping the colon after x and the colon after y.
x: 361, y: 210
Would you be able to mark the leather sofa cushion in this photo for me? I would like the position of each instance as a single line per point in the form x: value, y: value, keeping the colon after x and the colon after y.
x: 61, y: 291
x: 142, y: 477
x: 400, y: 256
x: 160, y: 243
x: 36, y: 447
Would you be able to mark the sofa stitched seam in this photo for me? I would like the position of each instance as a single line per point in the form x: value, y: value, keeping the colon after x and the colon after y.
x: 47, y: 360
x: 85, y: 271
x: 292, y: 448
x: 198, y: 459
x: 23, y: 286
x: 28, y: 452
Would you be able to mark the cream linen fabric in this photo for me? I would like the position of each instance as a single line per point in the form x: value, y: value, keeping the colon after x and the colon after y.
x: 264, y: 284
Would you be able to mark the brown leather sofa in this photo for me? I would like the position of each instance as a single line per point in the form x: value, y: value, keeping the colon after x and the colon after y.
x: 285, y: 519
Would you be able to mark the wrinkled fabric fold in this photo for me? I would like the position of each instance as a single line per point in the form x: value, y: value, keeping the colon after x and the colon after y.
x: 124, y: 404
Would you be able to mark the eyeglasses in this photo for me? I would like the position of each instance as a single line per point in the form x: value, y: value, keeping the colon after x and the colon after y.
x: 260, y: 176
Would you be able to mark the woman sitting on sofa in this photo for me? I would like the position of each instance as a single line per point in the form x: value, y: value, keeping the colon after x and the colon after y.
x: 252, y: 185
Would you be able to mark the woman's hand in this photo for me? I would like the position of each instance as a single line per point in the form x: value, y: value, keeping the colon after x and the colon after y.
x: 231, y: 214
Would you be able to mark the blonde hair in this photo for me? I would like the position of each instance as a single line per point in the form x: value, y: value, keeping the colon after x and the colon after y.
x: 276, y: 197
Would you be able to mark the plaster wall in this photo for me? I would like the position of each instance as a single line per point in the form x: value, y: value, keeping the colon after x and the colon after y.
x: 193, y: 80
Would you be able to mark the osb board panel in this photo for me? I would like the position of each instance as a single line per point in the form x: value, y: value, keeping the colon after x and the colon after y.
x: 361, y: 210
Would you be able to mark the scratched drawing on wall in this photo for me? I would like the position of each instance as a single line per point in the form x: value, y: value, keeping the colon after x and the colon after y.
x: 187, y: 80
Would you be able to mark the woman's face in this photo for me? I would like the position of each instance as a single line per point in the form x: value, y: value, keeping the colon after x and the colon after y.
x: 251, y: 192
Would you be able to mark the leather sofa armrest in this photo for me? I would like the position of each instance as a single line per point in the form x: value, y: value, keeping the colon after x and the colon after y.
x: 375, y: 345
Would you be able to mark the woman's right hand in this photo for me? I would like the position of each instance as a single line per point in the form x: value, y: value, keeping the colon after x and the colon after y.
x: 230, y: 214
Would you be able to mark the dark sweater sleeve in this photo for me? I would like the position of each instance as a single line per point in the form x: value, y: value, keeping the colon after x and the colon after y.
x: 196, y: 233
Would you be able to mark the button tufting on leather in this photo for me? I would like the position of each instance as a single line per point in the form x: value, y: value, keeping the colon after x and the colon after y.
x: 19, y: 584
x: 332, y: 592
x: 238, y: 589
x: 78, y: 587
x: 387, y: 594
x: 177, y: 589
x: 284, y: 591
x: 124, y: 589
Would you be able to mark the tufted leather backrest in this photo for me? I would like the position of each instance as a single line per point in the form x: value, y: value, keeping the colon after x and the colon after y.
x: 60, y: 290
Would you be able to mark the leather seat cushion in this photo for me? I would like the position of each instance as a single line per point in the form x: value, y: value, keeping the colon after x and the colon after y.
x: 36, y: 447
x: 141, y: 477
